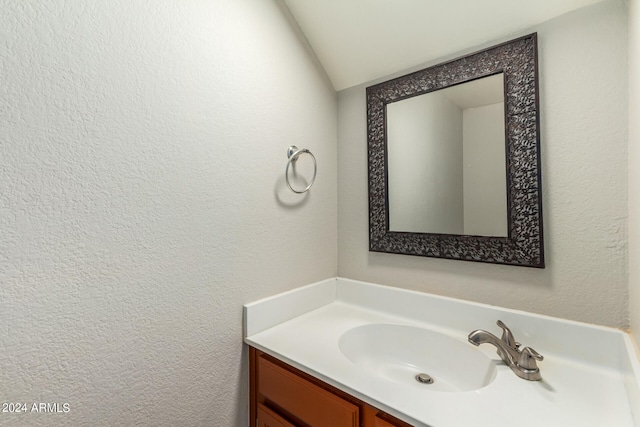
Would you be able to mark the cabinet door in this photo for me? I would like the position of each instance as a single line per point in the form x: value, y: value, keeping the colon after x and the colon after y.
x: 268, y: 418
x: 302, y: 400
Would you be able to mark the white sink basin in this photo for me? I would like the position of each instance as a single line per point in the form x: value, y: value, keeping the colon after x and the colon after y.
x: 399, y: 352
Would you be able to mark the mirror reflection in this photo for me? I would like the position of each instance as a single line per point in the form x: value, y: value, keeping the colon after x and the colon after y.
x: 447, y: 160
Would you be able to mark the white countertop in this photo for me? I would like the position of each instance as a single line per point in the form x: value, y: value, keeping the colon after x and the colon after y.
x: 590, y: 373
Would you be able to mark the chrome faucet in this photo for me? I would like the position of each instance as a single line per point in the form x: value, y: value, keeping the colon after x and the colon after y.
x: 522, y: 362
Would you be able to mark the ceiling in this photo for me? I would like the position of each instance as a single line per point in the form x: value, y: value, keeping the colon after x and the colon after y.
x: 362, y: 40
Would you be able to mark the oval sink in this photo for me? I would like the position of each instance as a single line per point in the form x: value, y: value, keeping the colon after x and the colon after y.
x: 399, y: 353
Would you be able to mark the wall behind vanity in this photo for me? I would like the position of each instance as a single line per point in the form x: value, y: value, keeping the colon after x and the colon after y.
x: 142, y: 202
x: 634, y: 166
x: 583, y: 92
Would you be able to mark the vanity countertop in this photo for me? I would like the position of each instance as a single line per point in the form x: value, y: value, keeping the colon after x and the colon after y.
x: 590, y: 373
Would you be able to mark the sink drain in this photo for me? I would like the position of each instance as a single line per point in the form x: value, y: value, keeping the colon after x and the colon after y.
x: 424, y: 379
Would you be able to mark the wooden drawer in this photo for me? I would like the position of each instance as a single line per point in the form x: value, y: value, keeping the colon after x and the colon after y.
x: 268, y: 418
x: 283, y: 396
x: 300, y: 400
x: 379, y: 422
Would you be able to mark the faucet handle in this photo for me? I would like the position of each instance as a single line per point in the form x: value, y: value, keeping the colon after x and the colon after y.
x: 507, y: 336
x: 528, y: 357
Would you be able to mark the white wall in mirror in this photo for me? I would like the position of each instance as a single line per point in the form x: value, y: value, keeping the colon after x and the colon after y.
x: 485, y: 186
x: 425, y: 165
x: 446, y: 161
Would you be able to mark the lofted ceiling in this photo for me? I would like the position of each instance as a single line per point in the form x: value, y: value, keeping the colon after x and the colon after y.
x: 361, y: 40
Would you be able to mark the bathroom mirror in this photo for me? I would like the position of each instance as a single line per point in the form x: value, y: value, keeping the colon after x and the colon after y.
x: 454, y: 162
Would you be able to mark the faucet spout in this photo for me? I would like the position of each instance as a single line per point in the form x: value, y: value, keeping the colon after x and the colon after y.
x: 506, y: 353
x: 523, y: 363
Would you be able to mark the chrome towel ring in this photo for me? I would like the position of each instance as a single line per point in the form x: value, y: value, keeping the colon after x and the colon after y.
x: 293, y: 153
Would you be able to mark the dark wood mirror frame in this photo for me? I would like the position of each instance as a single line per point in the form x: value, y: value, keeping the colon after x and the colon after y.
x: 524, y: 245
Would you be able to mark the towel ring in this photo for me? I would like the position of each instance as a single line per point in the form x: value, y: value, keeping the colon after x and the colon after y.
x: 293, y: 153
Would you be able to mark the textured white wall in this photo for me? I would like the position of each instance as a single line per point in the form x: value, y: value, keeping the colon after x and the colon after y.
x: 142, y: 202
x: 634, y: 166
x: 583, y: 83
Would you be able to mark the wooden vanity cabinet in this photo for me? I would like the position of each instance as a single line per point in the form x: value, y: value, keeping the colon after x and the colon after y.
x: 282, y: 396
